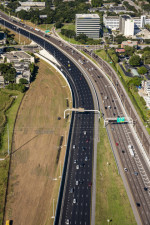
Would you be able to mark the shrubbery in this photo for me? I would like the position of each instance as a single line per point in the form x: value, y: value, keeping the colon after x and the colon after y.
x: 18, y: 87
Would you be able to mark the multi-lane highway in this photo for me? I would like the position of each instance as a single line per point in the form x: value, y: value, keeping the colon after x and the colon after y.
x: 76, y: 204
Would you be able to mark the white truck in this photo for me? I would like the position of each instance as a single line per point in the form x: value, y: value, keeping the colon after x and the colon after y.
x: 37, y: 29
x: 130, y: 147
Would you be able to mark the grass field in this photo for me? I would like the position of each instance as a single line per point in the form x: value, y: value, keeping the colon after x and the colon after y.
x: 71, y: 40
x: 111, y: 198
x: 7, y: 114
x: 69, y: 26
x: 36, y: 159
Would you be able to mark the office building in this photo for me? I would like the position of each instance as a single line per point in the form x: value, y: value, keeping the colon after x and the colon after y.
x: 112, y: 22
x: 88, y: 24
x: 126, y: 25
x: 29, y: 4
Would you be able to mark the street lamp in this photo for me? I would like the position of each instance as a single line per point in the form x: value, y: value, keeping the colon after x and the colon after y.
x: 53, y: 209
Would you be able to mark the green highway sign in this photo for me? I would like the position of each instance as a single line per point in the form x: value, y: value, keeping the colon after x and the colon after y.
x: 120, y: 119
x: 47, y: 31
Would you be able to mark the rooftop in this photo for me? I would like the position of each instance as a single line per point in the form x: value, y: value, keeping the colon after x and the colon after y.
x: 86, y: 16
x: 111, y: 17
x: 134, y: 72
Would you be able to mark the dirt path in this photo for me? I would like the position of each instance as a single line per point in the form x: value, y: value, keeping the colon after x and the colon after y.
x: 35, y: 149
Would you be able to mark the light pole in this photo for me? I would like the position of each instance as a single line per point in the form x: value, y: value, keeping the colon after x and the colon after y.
x: 60, y: 170
x: 8, y: 137
x: 53, y: 209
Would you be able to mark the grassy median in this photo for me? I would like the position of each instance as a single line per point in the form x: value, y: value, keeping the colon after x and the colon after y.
x: 111, y: 198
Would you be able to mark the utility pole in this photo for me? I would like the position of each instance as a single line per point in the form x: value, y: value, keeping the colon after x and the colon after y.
x: 8, y: 137
x: 53, y: 209
x: 60, y: 170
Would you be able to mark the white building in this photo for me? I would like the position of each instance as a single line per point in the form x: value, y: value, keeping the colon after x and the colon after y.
x: 17, y: 56
x: 29, y: 4
x: 88, y: 24
x: 129, y: 28
x: 112, y: 22
x: 146, y: 87
x: 146, y: 92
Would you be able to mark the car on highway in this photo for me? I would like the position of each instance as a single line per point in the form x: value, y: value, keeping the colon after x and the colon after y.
x: 74, y: 200
x: 125, y: 169
x: 82, y: 165
x: 123, y: 151
x: 77, y: 167
x: 71, y: 190
x: 67, y: 221
x: 84, y: 132
x: 77, y: 182
x: 117, y: 143
x: 138, y: 204
x: 135, y: 173
x: 75, y: 161
x: 90, y: 184
x: 74, y: 146
x: 86, y: 158
x: 145, y: 188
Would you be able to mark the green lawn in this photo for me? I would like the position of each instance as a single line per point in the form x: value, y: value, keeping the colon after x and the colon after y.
x: 71, y: 40
x: 8, y: 110
x: 111, y: 199
x: 69, y: 26
x: 45, y: 26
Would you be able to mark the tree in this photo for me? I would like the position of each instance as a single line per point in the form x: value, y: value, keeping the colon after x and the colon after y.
x: 23, y: 81
x: 96, y: 3
x: 146, y: 57
x: 135, y: 60
x: 120, y: 38
x: 142, y: 70
x: 8, y: 72
x: 10, y: 75
x: 129, y: 51
x: 58, y: 24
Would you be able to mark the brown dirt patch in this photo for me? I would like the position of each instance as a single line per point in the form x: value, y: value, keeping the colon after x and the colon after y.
x: 35, y: 149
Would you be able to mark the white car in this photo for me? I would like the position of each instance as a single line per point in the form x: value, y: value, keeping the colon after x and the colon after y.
x: 125, y: 169
x: 67, y: 221
x: 74, y: 146
x: 77, y: 167
x: 84, y: 132
x: 74, y: 201
x: 77, y: 182
x: 130, y: 146
x: 86, y: 158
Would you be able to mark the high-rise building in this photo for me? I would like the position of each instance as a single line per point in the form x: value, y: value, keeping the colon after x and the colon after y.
x: 88, y: 24
x: 126, y: 25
